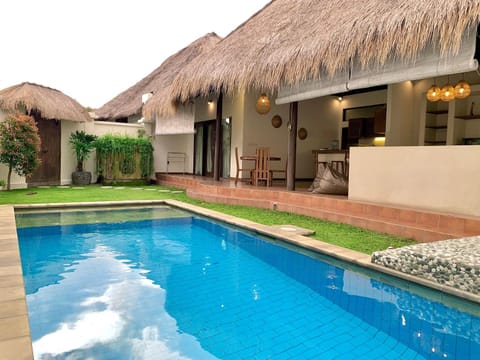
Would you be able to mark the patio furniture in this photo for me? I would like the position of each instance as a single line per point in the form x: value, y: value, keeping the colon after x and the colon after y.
x: 250, y: 171
x: 176, y: 157
x: 339, y: 165
x: 262, y: 167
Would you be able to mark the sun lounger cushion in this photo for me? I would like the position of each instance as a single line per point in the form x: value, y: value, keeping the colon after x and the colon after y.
x: 331, y: 182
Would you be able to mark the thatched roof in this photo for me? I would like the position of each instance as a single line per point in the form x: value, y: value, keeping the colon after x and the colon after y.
x: 290, y: 41
x: 50, y: 103
x: 129, y: 102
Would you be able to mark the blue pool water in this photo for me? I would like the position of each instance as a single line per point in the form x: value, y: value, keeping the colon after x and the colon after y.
x: 188, y: 288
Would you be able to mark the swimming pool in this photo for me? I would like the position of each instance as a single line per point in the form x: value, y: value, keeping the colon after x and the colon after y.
x: 183, y: 287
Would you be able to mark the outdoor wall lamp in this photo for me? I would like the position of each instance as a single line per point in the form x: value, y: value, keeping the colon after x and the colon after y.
x: 263, y: 104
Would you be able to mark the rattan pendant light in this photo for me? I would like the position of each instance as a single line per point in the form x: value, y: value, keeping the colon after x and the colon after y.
x: 263, y: 105
x: 433, y: 94
x: 447, y: 93
x: 462, y: 90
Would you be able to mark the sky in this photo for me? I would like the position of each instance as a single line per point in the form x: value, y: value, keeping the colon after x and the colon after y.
x: 92, y: 50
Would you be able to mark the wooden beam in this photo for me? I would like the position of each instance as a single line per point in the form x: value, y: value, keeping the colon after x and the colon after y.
x: 218, y: 138
x: 292, y: 146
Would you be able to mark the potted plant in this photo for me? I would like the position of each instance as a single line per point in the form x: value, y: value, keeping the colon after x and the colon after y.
x: 82, y: 144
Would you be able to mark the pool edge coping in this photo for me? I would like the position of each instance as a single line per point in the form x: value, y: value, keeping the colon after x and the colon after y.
x: 15, y: 337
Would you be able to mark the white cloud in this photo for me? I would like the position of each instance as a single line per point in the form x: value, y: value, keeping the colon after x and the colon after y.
x: 122, y: 306
x: 91, y: 328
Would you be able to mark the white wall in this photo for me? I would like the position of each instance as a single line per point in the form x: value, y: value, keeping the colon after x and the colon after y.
x: 259, y: 132
x: 178, y: 143
x: 322, y: 119
x: 100, y: 128
x: 401, y: 129
x: 68, y: 160
x: 17, y: 182
x: 437, y: 178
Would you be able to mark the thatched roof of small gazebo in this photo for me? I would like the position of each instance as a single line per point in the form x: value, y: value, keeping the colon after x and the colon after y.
x: 50, y: 103
x: 290, y: 41
x: 129, y: 102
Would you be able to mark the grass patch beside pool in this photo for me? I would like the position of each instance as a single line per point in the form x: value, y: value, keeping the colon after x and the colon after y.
x: 347, y: 236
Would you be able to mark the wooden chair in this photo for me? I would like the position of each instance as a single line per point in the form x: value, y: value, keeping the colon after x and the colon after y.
x: 262, y: 167
x: 237, y: 160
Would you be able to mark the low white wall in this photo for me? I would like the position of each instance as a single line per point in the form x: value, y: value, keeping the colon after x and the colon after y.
x: 176, y: 143
x: 68, y: 160
x: 437, y: 178
x: 104, y: 127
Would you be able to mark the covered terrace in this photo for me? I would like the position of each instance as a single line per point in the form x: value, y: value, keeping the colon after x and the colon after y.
x: 285, y: 52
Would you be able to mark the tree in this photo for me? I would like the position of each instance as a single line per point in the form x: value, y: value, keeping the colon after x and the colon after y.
x: 19, y: 145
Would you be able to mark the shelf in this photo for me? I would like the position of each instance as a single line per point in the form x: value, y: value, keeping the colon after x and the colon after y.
x: 440, y: 142
x: 468, y: 117
x: 436, y: 127
x: 437, y: 112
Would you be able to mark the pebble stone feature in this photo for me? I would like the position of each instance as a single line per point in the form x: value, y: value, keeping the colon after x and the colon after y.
x: 454, y: 263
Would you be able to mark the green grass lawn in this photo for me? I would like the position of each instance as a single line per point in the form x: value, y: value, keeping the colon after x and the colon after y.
x: 347, y: 236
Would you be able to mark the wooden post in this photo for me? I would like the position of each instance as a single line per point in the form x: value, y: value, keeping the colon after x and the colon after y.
x: 292, y: 146
x: 218, y: 138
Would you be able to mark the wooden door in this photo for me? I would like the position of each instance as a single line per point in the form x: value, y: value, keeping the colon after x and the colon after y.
x: 48, y: 173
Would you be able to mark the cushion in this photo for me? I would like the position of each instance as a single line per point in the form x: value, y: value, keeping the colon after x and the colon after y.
x: 320, y: 170
x: 331, y: 182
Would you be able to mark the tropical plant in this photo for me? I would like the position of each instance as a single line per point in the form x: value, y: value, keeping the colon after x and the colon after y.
x: 82, y: 144
x: 19, y: 145
x: 124, y: 153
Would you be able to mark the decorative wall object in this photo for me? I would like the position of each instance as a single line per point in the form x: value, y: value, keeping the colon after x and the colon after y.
x: 302, y: 133
x: 276, y: 121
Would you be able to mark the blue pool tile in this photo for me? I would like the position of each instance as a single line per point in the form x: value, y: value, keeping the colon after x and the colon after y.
x: 248, y: 298
x: 462, y: 349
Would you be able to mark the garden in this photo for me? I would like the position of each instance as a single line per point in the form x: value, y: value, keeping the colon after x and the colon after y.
x: 124, y: 165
